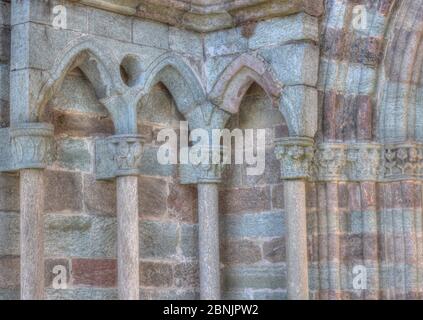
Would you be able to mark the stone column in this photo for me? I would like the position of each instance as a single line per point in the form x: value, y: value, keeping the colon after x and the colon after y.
x: 127, y: 151
x: 295, y: 155
x: 208, y: 240
x: 31, y: 152
x: 207, y: 177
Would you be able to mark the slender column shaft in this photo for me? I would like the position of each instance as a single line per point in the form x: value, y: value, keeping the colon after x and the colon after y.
x: 295, y: 206
x: 31, y: 234
x: 208, y: 217
x: 128, y: 244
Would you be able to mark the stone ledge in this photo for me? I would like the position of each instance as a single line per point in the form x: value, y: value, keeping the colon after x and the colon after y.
x: 207, y: 15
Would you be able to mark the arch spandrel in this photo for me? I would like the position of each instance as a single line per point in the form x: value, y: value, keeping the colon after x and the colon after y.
x: 96, y: 62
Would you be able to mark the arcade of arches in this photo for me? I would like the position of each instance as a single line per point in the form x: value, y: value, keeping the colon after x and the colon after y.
x: 83, y: 198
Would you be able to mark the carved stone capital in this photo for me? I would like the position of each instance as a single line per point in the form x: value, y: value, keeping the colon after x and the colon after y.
x: 32, y: 145
x: 330, y: 162
x: 402, y: 160
x: 126, y: 152
x: 295, y: 155
x: 363, y: 162
x: 210, y: 172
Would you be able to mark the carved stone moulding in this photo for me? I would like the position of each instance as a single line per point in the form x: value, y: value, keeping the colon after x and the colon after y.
x: 207, y: 15
x: 118, y: 155
x: 210, y: 172
x: 31, y: 145
x: 402, y: 161
x: 352, y: 162
x: 330, y: 162
x: 363, y: 162
x: 295, y: 155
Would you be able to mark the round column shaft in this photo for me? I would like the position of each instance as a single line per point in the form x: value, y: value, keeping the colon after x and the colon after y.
x: 128, y: 238
x: 296, y: 240
x: 31, y: 236
x: 208, y: 220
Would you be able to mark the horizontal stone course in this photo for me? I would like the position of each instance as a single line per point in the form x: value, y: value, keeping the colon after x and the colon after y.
x: 94, y: 272
x: 260, y: 277
x: 244, y: 200
x: 9, y: 272
x: 259, y: 225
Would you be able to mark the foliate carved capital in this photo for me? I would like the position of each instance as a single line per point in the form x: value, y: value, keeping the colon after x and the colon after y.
x: 205, y: 172
x: 295, y: 155
x: 405, y: 160
x: 211, y: 172
x: 353, y: 162
x: 32, y: 145
x: 330, y: 162
x: 126, y: 152
x: 363, y: 162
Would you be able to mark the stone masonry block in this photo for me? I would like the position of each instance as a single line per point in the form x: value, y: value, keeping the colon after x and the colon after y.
x: 294, y: 64
x: 225, y: 42
x: 280, y: 30
x: 258, y: 225
x: 150, y: 33
x: 110, y: 25
x: 299, y: 106
x: 184, y: 41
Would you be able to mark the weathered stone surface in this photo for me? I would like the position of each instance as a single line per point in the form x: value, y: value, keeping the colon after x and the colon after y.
x: 279, y: 30
x: 110, y: 25
x: 156, y: 274
x: 9, y: 234
x: 274, y: 250
x: 185, y: 42
x: 77, y: 125
x: 294, y: 64
x: 80, y: 236
x: 9, y: 272
x: 82, y: 294
x: 152, y: 197
x: 263, y: 224
x: 244, y: 200
x: 168, y: 294
x: 94, y: 272
x: 99, y: 196
x: 77, y: 94
x: 182, y: 202
x: 225, y: 42
x: 151, y: 34
x: 186, y: 275
x: 151, y: 167
x: 63, y: 191
x: 269, y: 277
x: 240, y: 252
x: 158, y: 239
x: 189, y: 240
x: 74, y: 154
x: 363, y: 204
x: 9, y: 192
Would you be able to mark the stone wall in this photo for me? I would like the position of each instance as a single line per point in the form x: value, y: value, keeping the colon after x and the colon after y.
x: 296, y: 69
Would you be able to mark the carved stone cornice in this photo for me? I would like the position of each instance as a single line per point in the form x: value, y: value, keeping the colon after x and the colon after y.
x: 402, y: 160
x: 31, y: 145
x: 207, y: 15
x: 330, y: 162
x: 295, y: 155
x: 363, y: 162
x: 118, y: 155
